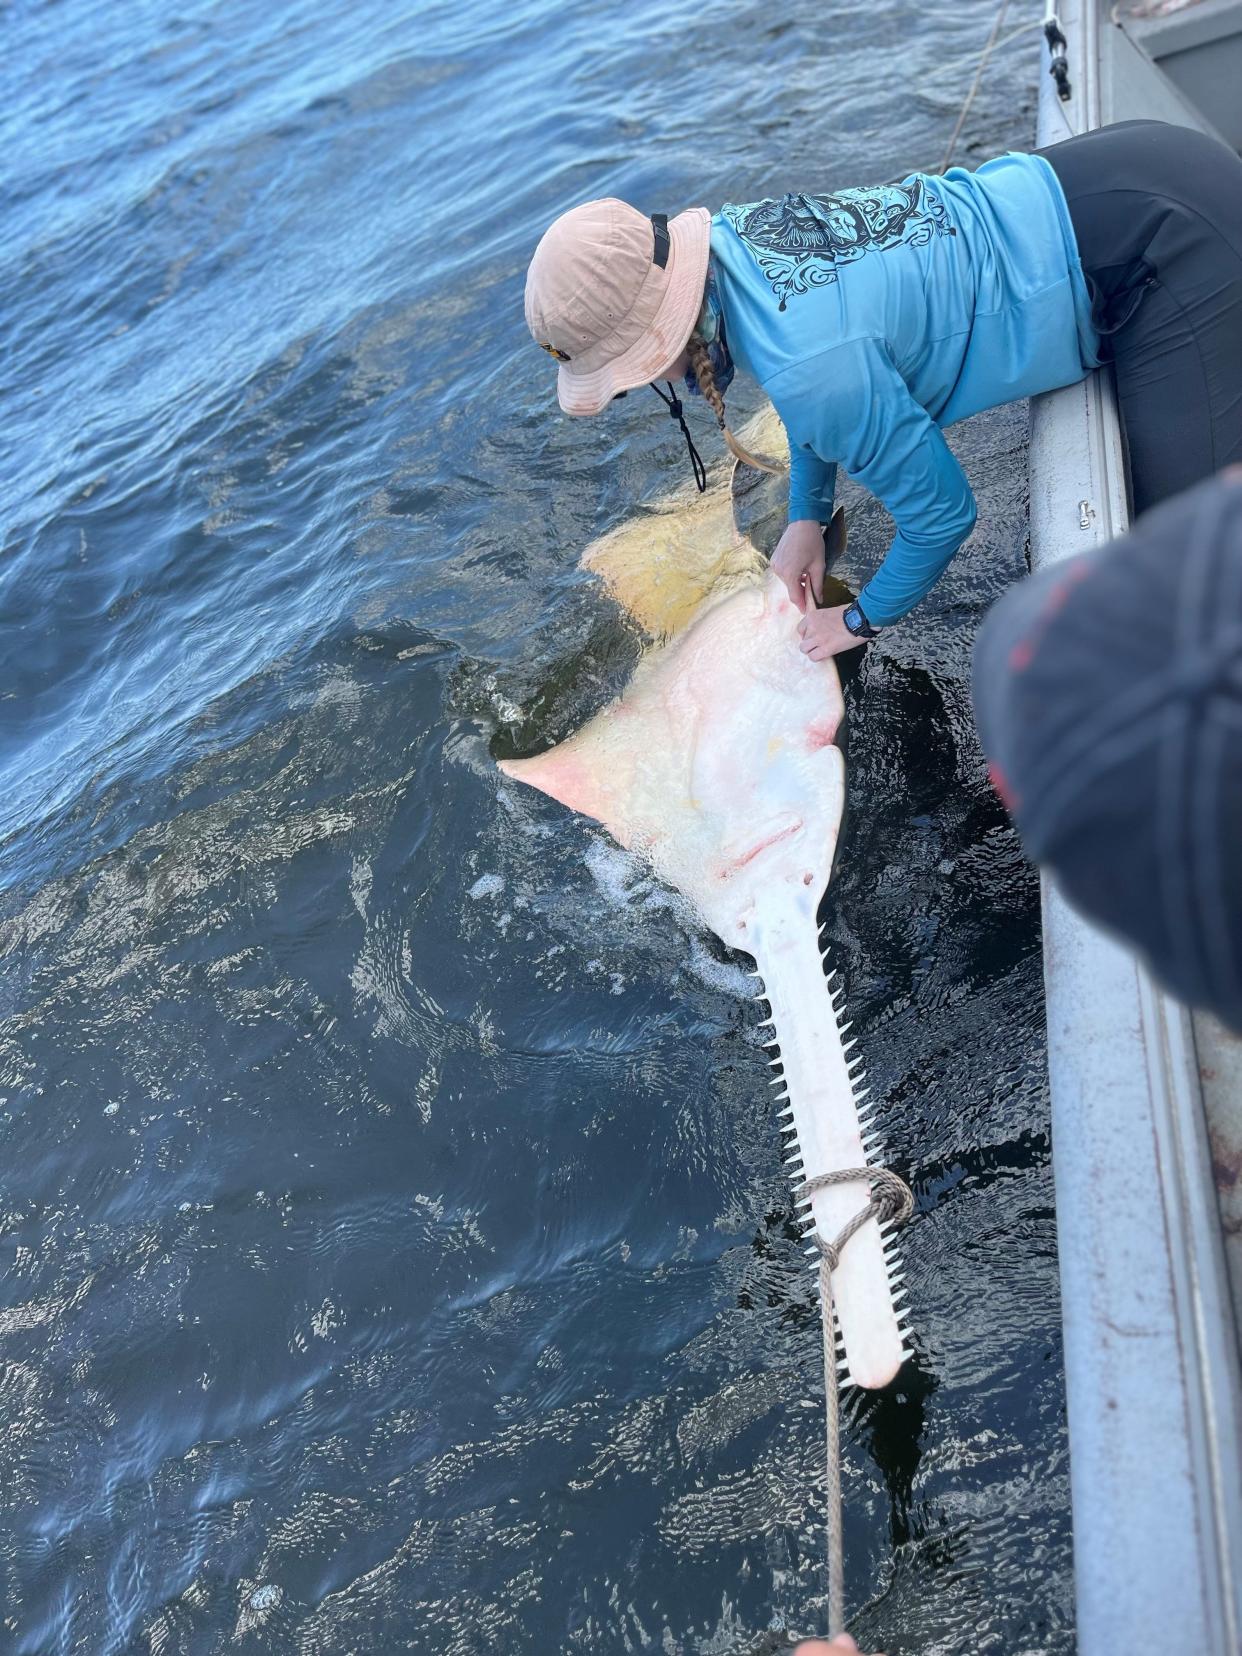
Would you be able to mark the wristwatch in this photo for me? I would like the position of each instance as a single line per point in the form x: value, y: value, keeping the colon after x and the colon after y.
x: 856, y: 622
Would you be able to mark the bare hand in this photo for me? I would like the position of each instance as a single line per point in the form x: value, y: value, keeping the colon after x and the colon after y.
x: 799, y: 561
x: 823, y: 633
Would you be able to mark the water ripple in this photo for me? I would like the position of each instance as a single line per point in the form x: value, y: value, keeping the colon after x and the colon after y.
x: 395, y: 1242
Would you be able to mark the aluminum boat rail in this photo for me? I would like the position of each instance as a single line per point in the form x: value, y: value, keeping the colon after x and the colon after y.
x: 1146, y: 1099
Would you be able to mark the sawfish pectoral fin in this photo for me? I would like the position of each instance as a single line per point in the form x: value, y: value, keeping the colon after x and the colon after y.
x: 566, y: 775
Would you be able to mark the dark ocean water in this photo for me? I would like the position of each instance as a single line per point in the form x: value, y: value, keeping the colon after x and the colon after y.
x: 396, y: 1252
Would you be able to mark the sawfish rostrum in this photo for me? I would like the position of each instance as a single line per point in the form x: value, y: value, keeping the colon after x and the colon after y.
x: 719, y: 764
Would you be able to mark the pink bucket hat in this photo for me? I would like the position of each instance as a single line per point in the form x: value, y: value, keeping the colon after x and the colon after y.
x: 614, y: 296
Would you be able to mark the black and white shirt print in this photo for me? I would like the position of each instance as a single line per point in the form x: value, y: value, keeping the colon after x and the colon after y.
x: 801, y: 240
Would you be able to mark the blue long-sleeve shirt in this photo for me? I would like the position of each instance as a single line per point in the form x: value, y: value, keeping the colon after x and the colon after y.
x: 874, y: 317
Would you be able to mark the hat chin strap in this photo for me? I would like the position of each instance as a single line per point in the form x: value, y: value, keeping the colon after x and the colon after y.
x: 674, y: 405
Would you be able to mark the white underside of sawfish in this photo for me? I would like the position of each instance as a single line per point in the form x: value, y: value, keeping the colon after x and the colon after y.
x: 719, y: 765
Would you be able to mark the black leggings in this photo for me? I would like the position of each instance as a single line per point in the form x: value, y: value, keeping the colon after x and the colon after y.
x: 1157, y: 211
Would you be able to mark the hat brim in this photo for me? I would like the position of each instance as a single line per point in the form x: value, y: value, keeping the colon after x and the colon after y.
x: 690, y: 235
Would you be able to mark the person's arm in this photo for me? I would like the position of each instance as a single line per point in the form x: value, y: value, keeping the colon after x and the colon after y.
x: 812, y: 485
x: 798, y: 557
x: 852, y: 402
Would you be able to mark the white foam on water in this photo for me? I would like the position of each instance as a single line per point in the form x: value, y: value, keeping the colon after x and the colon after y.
x: 360, y: 881
x: 614, y: 871
x: 487, y: 885
x: 719, y: 974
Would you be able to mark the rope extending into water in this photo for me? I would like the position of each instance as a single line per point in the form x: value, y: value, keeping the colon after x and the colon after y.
x: 986, y: 53
x: 891, y: 1199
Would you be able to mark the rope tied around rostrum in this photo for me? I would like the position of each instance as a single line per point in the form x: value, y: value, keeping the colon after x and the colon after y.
x: 892, y: 1201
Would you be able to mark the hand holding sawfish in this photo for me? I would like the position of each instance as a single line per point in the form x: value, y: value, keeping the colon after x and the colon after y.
x: 799, y: 561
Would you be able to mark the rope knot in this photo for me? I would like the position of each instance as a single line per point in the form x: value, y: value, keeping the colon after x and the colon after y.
x: 891, y: 1201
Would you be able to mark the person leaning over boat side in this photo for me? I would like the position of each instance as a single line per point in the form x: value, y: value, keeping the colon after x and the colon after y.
x: 1108, y: 700
x: 874, y: 317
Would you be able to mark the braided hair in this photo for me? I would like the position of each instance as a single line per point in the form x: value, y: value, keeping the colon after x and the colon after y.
x: 701, y: 367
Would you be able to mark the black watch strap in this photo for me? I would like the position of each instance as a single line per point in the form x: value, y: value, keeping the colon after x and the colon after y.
x: 855, y: 619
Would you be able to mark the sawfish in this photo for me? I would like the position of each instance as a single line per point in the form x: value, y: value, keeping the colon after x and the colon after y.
x: 719, y: 764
